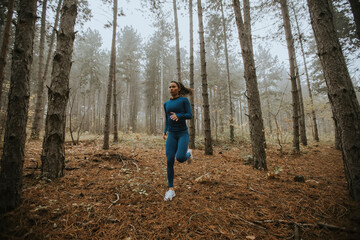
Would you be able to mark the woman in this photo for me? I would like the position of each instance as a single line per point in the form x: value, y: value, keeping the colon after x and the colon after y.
x: 177, y: 110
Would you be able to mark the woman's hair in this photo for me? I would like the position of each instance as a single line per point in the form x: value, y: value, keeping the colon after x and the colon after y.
x: 184, y: 91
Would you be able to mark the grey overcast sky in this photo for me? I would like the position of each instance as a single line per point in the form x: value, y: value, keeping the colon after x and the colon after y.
x: 141, y: 20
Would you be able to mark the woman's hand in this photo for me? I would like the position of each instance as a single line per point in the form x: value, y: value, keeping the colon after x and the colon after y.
x: 174, y: 117
x: 164, y: 136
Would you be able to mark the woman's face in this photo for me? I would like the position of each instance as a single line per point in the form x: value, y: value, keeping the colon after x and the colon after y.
x: 174, y: 89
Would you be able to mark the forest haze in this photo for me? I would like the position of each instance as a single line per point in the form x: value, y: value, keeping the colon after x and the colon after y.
x: 276, y: 85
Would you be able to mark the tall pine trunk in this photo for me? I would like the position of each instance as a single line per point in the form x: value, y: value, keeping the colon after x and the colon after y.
x: 113, y: 55
x: 5, y: 44
x: 178, y: 59
x: 115, y: 111
x: 162, y: 116
x: 257, y: 134
x: 355, y: 8
x: 301, y: 107
x: 268, y: 109
x: 293, y: 72
x: 313, y: 115
x: 228, y: 74
x: 15, y: 133
x: 110, y: 81
x: 192, y: 97
x: 39, y: 106
x: 337, y: 135
x: 35, y: 131
x: 205, y: 94
x: 53, y: 150
x: 341, y: 92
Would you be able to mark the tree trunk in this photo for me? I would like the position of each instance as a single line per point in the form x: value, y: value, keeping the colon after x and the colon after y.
x: 241, y: 116
x: 337, y: 136
x: 39, y: 106
x: 133, y: 105
x: 252, y: 92
x: 113, y: 55
x: 178, y: 59
x: 355, y: 8
x: 53, y: 152
x: 110, y: 81
x: 192, y: 97
x: 228, y: 74
x: 301, y: 107
x: 35, y: 131
x: 313, y: 115
x: 115, y: 112
x: 341, y: 92
x: 162, y: 116
x: 268, y: 110
x: 5, y: 44
x: 205, y: 94
x: 294, y: 90
x: 17, y: 111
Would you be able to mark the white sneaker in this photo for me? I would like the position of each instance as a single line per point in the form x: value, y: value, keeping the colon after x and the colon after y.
x: 191, y: 156
x: 169, y: 195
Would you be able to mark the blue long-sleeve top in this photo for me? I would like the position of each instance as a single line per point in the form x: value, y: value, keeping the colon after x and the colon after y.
x: 181, y: 107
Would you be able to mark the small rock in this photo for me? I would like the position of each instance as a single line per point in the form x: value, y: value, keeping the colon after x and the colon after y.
x: 299, y: 179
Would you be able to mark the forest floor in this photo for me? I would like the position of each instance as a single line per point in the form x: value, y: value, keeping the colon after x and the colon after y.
x: 119, y: 194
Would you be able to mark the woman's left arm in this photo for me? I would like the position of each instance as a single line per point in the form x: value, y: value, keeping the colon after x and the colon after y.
x: 188, y: 112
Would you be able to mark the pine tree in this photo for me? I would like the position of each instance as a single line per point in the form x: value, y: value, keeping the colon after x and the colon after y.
x: 177, y: 38
x: 344, y: 103
x: 39, y: 106
x: 5, y: 43
x: 293, y: 74
x: 252, y: 92
x: 191, y: 76
x: 227, y: 73
x: 53, y: 150
x: 110, y: 81
x: 15, y: 133
x: 35, y: 130
x: 205, y: 94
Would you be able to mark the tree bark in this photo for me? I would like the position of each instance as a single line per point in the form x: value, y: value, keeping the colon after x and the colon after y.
x: 162, y: 116
x: 5, y: 44
x: 133, y: 104
x: 257, y: 134
x: 228, y: 74
x: 113, y: 55
x: 115, y: 112
x: 355, y: 8
x: 293, y: 71
x: 205, y: 94
x: 53, y: 151
x: 337, y: 136
x: 35, y: 131
x: 192, y: 97
x: 342, y: 97
x: 17, y: 111
x: 301, y: 107
x: 110, y: 81
x: 313, y: 115
x: 268, y: 110
x: 178, y: 59
x: 39, y: 106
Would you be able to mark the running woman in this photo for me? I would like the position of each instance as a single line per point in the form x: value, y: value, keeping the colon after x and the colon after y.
x: 176, y: 133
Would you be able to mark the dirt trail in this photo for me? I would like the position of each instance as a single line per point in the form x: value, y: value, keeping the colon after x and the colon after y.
x: 118, y: 194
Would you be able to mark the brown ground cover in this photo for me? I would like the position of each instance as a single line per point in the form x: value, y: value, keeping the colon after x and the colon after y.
x: 118, y: 194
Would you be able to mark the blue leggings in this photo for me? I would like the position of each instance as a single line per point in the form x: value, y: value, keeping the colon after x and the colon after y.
x: 176, y: 143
